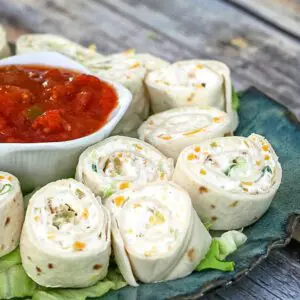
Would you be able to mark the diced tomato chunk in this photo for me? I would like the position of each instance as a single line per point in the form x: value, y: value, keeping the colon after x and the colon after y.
x: 50, y: 121
x: 83, y: 99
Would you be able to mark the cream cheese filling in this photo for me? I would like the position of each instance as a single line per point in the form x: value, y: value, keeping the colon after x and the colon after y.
x: 67, y: 219
x: 238, y: 165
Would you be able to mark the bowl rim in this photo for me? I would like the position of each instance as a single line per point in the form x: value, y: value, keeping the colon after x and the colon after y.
x: 37, y: 58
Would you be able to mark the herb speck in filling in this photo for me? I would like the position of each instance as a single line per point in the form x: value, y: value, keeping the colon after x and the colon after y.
x: 65, y: 214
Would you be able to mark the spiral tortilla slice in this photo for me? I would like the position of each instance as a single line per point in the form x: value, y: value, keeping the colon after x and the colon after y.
x: 192, y: 82
x: 28, y: 43
x: 157, y: 235
x: 119, y: 162
x: 65, y: 240
x: 11, y: 213
x: 130, y: 70
x: 231, y: 180
x: 4, y: 48
x: 173, y: 130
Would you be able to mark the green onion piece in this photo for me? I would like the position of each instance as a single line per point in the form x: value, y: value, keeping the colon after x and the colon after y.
x: 266, y: 169
x: 33, y: 112
x: 94, y: 167
x: 6, y: 189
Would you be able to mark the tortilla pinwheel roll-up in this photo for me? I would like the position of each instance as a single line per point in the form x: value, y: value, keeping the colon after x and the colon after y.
x: 173, y: 130
x: 129, y: 69
x: 65, y: 241
x: 11, y: 212
x: 156, y: 233
x: 119, y: 162
x: 192, y: 82
x: 231, y: 180
x: 28, y: 43
x: 4, y: 48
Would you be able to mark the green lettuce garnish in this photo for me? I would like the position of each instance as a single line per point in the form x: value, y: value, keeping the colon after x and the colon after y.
x: 220, y: 248
x: 230, y: 241
x: 10, y: 260
x: 6, y: 189
x: 235, y: 99
x: 212, y: 260
x: 113, y: 281
x: 14, y: 282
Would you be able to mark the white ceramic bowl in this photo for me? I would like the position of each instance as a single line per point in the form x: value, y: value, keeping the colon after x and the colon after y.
x: 36, y: 164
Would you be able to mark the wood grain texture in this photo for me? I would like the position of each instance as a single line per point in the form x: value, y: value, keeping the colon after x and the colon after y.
x: 278, y: 277
x: 258, y: 55
x: 284, y: 14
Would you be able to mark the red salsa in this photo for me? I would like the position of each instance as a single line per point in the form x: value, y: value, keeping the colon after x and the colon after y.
x: 44, y: 104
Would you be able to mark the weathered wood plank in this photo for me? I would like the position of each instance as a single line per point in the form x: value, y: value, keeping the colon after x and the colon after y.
x: 175, y: 30
x: 278, y: 277
x: 284, y: 14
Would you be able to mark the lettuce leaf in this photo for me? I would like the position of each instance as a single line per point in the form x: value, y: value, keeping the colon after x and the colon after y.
x: 113, y: 281
x: 220, y: 248
x: 14, y: 282
x: 235, y: 99
x: 10, y: 260
x: 212, y: 261
x: 229, y: 242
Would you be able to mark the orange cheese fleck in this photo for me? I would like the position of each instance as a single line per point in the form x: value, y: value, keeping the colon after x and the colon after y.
x: 203, y: 172
x: 119, y: 200
x: 199, y: 66
x: 197, y: 149
x: 136, y: 65
x: 165, y: 137
x: 191, y: 156
x: 124, y: 185
x: 217, y: 119
x: 265, y: 147
x: 246, y: 183
x: 85, y: 214
x: 79, y: 246
x: 37, y: 218
x: 10, y: 178
x: 267, y: 157
x: 258, y: 162
x: 2, y: 177
x: 193, y: 132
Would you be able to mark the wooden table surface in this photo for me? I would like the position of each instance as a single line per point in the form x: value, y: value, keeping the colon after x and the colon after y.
x: 258, y: 39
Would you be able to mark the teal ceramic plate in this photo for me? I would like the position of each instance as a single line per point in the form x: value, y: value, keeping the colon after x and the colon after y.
x: 261, y: 115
